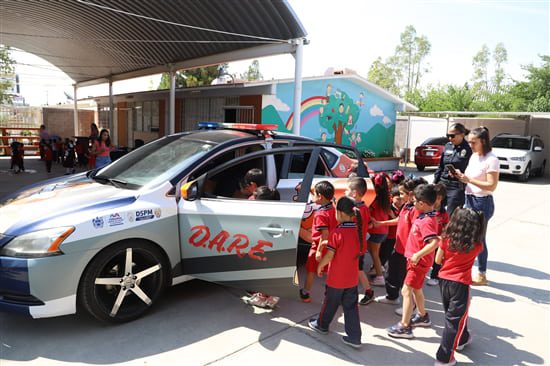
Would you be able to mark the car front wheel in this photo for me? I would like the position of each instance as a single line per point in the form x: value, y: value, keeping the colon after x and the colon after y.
x: 525, y: 176
x: 123, y: 281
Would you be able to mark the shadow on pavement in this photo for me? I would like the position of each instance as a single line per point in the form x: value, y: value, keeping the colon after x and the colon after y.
x: 518, y: 270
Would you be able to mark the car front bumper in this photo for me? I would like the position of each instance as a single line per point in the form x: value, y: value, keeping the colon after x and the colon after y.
x: 514, y: 167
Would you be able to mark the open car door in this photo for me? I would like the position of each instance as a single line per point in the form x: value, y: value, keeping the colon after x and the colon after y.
x: 238, y: 242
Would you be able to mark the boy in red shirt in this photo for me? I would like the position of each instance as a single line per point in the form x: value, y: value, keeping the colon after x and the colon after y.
x: 357, y: 187
x: 343, y: 250
x: 324, y: 222
x: 419, y: 251
x: 397, y: 263
x: 442, y: 221
x: 459, y: 247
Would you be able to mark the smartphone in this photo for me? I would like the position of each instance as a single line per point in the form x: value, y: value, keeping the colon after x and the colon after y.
x: 451, y: 169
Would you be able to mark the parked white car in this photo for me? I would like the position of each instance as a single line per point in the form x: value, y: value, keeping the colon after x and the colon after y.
x: 520, y: 155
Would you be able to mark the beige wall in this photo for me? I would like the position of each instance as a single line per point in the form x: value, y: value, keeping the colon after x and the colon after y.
x: 60, y: 121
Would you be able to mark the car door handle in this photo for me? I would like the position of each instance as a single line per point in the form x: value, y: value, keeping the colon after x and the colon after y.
x: 276, y: 230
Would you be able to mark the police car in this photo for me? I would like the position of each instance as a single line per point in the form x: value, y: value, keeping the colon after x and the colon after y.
x: 109, y: 241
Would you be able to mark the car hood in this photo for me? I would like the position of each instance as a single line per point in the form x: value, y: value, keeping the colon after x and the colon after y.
x: 33, y: 208
x: 508, y: 153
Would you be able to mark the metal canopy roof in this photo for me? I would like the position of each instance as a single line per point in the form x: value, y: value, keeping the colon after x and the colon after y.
x: 94, y: 40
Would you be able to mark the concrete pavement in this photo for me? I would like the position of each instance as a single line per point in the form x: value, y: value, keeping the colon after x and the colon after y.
x: 198, y: 323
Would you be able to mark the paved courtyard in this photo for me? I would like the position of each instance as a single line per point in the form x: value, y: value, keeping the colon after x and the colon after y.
x: 198, y: 323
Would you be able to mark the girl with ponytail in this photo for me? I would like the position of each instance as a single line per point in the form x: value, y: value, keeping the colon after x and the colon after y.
x: 344, y: 247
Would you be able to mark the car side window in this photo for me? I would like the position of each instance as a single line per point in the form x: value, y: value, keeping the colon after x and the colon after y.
x: 298, y: 165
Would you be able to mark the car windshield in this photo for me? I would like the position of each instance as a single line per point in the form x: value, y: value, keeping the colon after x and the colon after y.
x: 154, y: 163
x: 511, y: 143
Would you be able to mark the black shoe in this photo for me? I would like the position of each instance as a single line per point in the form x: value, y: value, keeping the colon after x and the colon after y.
x: 367, y: 298
x: 350, y: 343
x: 304, y: 296
x: 421, y: 321
x: 315, y: 326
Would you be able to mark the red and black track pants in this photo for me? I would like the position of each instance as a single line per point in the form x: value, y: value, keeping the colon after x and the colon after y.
x: 456, y: 301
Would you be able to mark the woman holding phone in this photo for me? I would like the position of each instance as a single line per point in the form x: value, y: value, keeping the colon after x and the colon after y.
x: 481, y: 178
x: 456, y: 155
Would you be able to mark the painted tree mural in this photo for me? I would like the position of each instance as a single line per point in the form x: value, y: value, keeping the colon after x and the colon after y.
x: 339, y: 114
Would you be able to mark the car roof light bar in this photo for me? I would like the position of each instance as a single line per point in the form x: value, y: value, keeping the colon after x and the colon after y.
x: 238, y: 126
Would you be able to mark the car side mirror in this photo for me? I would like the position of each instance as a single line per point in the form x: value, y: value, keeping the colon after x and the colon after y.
x: 190, y: 191
x: 537, y: 148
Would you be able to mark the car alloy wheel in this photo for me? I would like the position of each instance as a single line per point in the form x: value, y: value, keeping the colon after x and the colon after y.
x: 122, y: 282
x: 525, y: 176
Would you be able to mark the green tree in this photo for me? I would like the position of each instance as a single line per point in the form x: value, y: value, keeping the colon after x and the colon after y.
x: 534, y: 94
x: 7, y: 74
x: 253, y: 73
x: 480, y: 62
x: 500, y: 56
x: 402, y: 73
x: 339, y: 115
x: 194, y: 77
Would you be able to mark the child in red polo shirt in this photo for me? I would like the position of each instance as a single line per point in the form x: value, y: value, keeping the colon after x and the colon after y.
x: 324, y: 222
x: 419, y: 251
x: 380, y: 210
x: 458, y: 249
x: 343, y: 251
x: 397, y: 263
x: 442, y: 221
x: 357, y: 187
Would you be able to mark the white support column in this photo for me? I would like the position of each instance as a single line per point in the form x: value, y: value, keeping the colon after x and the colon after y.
x: 75, y: 119
x: 298, y: 58
x: 407, y: 149
x: 172, y: 120
x: 112, y: 129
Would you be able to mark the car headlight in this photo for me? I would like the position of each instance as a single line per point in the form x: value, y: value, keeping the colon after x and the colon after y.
x: 518, y: 158
x: 36, y: 244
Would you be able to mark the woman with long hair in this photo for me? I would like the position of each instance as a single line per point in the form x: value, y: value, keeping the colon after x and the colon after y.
x: 102, y: 149
x: 481, y: 178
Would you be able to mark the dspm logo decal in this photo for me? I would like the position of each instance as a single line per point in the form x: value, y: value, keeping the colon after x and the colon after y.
x: 97, y: 222
x: 115, y: 219
x: 144, y: 215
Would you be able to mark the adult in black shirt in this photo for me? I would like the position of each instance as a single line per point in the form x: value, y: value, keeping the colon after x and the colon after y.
x: 457, y: 153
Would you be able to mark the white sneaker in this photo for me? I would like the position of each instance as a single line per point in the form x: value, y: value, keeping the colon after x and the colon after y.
x: 385, y: 300
x: 378, y: 281
x: 432, y: 282
x: 468, y: 342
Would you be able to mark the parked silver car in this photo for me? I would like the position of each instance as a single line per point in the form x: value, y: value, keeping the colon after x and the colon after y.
x: 520, y: 155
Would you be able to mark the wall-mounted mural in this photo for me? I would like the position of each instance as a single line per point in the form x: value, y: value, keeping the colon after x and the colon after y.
x: 337, y: 110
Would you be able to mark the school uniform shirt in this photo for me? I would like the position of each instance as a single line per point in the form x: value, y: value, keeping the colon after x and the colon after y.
x: 478, y: 167
x: 407, y: 215
x: 392, y: 230
x: 378, y: 214
x: 48, y: 155
x: 423, y: 229
x: 442, y: 220
x: 457, y: 266
x: 342, y: 269
x: 365, y: 216
x: 324, y: 218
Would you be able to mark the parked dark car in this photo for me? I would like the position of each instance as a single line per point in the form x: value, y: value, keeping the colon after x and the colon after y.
x: 429, y: 152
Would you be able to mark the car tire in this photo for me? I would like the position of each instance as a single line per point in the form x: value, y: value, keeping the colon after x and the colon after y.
x: 420, y: 168
x: 123, y: 281
x: 540, y: 172
x: 524, y: 177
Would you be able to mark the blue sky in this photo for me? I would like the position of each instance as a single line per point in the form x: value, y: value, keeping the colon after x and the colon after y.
x: 352, y: 33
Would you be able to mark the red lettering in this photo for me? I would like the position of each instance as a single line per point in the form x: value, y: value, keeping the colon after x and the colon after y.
x: 241, y: 242
x: 258, y: 248
x: 218, y: 241
x: 200, y: 234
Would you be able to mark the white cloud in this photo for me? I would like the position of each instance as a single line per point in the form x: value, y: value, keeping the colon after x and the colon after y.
x: 376, y: 111
x: 386, y: 120
x: 275, y: 102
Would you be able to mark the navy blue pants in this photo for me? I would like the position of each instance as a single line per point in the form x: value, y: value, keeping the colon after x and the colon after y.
x: 456, y: 301
x: 397, y: 270
x: 347, y: 297
x: 487, y: 206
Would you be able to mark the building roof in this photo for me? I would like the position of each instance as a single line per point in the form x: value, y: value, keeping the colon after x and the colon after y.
x: 402, y: 105
x: 94, y: 40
